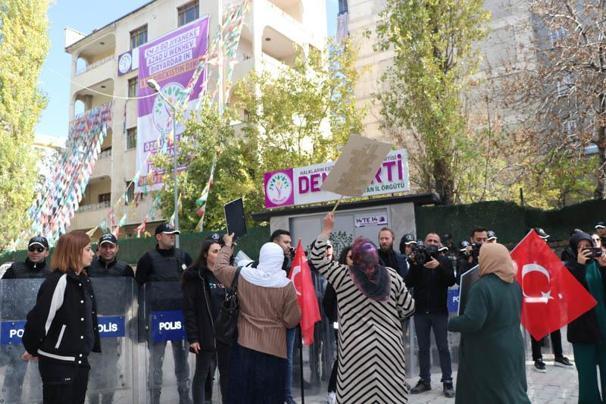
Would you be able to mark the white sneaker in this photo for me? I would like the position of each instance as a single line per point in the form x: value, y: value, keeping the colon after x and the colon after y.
x: 332, y: 398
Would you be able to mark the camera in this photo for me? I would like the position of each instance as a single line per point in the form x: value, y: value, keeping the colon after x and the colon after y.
x: 424, y: 253
x: 475, y: 249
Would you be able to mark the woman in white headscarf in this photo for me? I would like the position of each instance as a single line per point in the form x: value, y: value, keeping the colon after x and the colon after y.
x: 268, y: 307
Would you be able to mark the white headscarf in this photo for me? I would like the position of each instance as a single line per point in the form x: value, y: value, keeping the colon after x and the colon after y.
x: 269, y: 272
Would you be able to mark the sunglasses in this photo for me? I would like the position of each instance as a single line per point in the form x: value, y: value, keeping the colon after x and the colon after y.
x: 36, y: 249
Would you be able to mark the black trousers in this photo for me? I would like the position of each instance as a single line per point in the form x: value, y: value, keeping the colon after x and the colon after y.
x: 556, y: 345
x: 63, y: 384
x: 223, y: 351
x: 205, y: 367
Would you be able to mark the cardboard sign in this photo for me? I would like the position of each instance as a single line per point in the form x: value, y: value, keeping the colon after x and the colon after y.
x: 356, y: 167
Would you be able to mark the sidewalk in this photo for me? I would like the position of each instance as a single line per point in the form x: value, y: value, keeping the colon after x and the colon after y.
x: 557, y: 386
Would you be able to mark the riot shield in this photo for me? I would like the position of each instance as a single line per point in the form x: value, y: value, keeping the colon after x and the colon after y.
x: 168, y: 375
x: 20, y: 380
x: 112, y: 377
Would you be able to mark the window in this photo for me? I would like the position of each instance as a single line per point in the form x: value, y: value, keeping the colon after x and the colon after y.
x: 132, y: 87
x: 565, y: 86
x: 131, y: 138
x: 570, y: 126
x: 105, y: 198
x: 557, y: 35
x: 188, y: 13
x: 130, y: 193
x: 138, y: 37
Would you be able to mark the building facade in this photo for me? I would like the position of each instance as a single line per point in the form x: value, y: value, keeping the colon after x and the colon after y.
x: 273, y: 31
x: 509, y: 43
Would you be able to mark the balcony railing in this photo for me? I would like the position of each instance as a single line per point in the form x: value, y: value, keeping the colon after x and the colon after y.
x: 94, y: 206
x: 105, y: 154
x: 94, y: 65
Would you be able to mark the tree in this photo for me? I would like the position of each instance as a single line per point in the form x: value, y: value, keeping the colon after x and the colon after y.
x: 300, y: 115
x: 562, y: 93
x: 23, y: 48
x: 433, y: 58
x: 296, y: 116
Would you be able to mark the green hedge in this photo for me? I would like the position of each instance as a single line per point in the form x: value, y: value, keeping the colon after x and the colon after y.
x: 133, y: 248
x: 510, y: 221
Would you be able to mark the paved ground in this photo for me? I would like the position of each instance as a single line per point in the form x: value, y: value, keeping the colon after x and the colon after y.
x: 557, y: 386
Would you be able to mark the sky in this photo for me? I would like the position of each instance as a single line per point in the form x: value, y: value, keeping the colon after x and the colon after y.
x: 55, y: 76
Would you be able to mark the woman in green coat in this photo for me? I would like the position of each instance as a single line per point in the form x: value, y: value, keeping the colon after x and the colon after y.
x: 491, y: 359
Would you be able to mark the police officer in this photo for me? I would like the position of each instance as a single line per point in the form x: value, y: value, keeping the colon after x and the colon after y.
x: 104, y: 368
x: 34, y: 266
x: 165, y: 264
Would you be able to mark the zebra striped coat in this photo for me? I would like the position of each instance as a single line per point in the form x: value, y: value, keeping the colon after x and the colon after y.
x: 371, y: 367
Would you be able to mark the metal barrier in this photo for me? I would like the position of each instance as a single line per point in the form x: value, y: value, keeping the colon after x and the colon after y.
x: 20, y: 380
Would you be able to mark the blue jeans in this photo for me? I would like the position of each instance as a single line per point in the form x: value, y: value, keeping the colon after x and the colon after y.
x: 290, y: 351
x: 423, y: 325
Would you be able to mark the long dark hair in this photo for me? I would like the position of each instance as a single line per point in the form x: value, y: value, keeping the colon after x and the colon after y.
x: 343, y: 255
x: 201, y: 261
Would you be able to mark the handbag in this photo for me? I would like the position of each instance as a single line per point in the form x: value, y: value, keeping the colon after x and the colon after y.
x: 226, y: 324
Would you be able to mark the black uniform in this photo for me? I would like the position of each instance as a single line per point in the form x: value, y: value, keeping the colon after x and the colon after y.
x: 104, y: 368
x: 16, y: 368
x: 27, y: 269
x: 62, y: 330
x: 164, y: 269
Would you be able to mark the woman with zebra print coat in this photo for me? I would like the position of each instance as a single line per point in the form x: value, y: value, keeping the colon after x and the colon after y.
x: 372, y: 301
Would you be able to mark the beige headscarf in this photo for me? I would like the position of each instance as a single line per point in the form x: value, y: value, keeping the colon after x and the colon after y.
x: 495, y: 259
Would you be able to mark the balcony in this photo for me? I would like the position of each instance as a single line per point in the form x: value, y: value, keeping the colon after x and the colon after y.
x: 89, y: 215
x: 96, y: 95
x: 103, y: 166
x: 292, y: 8
x: 92, y: 74
x: 283, y: 22
x: 279, y: 47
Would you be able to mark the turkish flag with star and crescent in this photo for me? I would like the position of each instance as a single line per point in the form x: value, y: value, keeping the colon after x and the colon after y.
x: 552, y: 297
x: 300, y: 274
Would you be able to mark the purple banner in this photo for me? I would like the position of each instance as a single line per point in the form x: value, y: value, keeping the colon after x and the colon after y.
x: 171, y: 61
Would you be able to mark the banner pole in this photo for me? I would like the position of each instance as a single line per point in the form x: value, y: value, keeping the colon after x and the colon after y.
x: 337, y: 205
x: 301, y: 365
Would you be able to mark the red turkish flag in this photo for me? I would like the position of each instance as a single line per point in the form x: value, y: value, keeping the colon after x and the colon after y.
x: 300, y: 274
x: 552, y: 297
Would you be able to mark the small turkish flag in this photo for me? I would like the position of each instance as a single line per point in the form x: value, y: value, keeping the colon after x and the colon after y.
x: 300, y: 275
x: 552, y: 297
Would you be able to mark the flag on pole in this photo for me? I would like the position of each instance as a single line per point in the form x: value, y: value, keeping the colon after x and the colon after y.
x: 300, y: 274
x: 201, y: 201
x: 552, y: 297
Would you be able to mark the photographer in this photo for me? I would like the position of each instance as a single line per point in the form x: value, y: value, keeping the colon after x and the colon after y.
x: 430, y: 275
x: 586, y: 331
x: 468, y: 257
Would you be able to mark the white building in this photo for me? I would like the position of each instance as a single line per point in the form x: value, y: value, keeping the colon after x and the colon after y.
x: 273, y: 30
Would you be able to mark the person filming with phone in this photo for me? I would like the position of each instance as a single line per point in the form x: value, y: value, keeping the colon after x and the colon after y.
x: 586, y: 333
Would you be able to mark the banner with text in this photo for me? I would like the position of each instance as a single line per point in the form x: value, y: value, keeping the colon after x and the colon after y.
x: 171, y: 61
x: 302, y: 185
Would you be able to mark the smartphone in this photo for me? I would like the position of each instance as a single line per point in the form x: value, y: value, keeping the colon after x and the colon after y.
x: 596, y: 252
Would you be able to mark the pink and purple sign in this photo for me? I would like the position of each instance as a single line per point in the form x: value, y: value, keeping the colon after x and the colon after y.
x: 171, y: 61
x: 302, y: 185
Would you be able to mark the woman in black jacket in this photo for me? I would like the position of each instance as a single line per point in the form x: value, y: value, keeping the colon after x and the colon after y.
x: 61, y: 329
x: 587, y: 333
x: 203, y: 295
